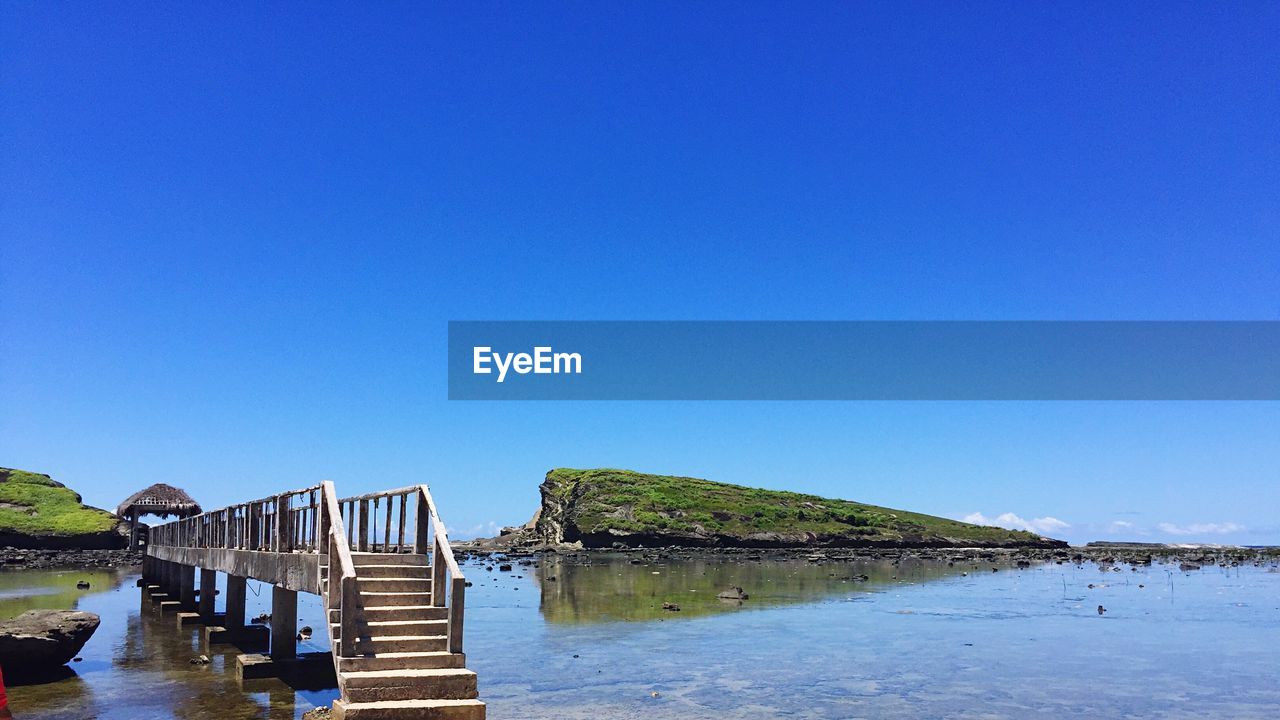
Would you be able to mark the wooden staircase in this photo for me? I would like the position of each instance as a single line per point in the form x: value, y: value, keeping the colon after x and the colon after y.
x: 398, y: 662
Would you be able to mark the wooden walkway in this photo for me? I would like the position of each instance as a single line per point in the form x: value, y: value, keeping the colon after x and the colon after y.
x: 394, y: 594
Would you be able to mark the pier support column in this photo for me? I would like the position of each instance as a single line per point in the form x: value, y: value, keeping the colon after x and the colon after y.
x: 284, y: 624
x: 235, y: 602
x: 208, y: 591
x: 169, y: 577
x: 187, y: 586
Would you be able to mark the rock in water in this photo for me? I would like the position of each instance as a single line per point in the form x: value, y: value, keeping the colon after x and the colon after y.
x: 733, y: 593
x: 41, y: 640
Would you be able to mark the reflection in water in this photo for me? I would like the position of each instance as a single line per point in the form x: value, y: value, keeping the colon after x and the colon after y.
x: 814, y: 641
x: 619, y: 588
x: 916, y: 640
x: 23, y: 590
x: 137, y: 665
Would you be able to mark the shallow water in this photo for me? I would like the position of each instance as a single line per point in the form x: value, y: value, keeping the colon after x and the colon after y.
x: 916, y: 640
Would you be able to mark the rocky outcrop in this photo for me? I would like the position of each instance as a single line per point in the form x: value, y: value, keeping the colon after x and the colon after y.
x: 42, y: 640
x: 40, y: 513
x: 605, y: 508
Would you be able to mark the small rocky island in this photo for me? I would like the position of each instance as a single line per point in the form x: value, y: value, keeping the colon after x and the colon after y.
x: 39, y: 513
x: 606, y: 508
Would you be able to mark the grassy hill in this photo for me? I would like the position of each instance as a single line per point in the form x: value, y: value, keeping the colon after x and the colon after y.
x: 603, y: 506
x: 36, y: 511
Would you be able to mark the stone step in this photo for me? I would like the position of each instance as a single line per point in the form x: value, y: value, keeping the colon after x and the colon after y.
x: 402, y: 661
x: 416, y: 709
x: 360, y: 559
x: 397, y: 585
x: 379, y: 628
x: 397, y: 599
x: 366, y: 645
x: 437, y: 684
x: 395, y: 570
x: 397, y: 612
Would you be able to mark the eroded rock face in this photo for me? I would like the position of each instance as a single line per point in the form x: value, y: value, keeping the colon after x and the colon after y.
x: 42, y: 640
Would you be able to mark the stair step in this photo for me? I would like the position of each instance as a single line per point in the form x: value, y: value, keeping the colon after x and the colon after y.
x: 435, y: 684
x: 396, y: 570
x: 373, y: 613
x: 417, y: 709
x: 395, y: 628
x: 415, y: 585
x: 407, y: 627
x: 398, y: 643
x: 398, y: 599
x: 402, y: 661
x: 360, y: 559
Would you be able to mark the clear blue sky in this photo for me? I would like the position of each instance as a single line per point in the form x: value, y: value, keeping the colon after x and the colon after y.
x: 231, y: 237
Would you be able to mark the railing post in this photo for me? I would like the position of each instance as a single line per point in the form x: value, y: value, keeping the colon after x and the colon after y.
x: 350, y: 598
x: 251, y: 513
x: 456, y: 603
x: 422, y: 525
x: 438, y: 571
x: 363, y: 544
x: 284, y: 542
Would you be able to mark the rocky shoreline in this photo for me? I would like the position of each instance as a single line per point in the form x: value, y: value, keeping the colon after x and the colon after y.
x: 1103, y: 555
x: 30, y: 559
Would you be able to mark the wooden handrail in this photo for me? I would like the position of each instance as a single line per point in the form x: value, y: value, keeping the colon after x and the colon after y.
x: 441, y: 550
x: 343, y: 595
x: 253, y: 529
x: 437, y: 526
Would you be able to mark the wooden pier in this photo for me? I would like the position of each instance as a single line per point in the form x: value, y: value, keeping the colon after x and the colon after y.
x: 394, y: 594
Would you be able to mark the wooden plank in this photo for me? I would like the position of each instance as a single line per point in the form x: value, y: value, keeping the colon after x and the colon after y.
x: 386, y: 527
x: 284, y: 537
x: 404, y: 502
x: 363, y: 537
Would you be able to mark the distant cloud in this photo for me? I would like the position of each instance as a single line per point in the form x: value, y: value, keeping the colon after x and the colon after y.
x: 1117, y: 527
x: 489, y: 529
x: 1043, y: 525
x: 1200, y: 528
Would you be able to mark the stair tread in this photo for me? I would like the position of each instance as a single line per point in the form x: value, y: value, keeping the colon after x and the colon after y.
x: 406, y: 673
x: 391, y: 623
x: 390, y: 704
x: 405, y: 654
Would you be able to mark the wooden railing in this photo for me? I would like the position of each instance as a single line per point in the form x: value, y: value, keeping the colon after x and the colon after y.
x: 314, y: 520
x: 426, y: 534
x: 282, y: 523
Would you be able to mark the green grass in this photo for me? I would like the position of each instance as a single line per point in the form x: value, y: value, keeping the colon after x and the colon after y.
x: 623, y: 501
x: 34, y: 504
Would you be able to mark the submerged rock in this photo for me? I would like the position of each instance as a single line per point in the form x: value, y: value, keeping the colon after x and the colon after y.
x: 42, y: 640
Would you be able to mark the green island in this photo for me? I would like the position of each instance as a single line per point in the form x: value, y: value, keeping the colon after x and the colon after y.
x: 38, y: 512
x: 606, y: 507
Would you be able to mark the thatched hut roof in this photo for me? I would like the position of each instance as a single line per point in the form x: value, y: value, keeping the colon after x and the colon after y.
x: 160, y: 499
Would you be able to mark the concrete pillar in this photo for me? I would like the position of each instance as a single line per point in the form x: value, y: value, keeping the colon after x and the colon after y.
x: 235, y: 602
x: 208, y: 591
x: 284, y: 624
x: 187, y: 586
x: 169, y: 578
